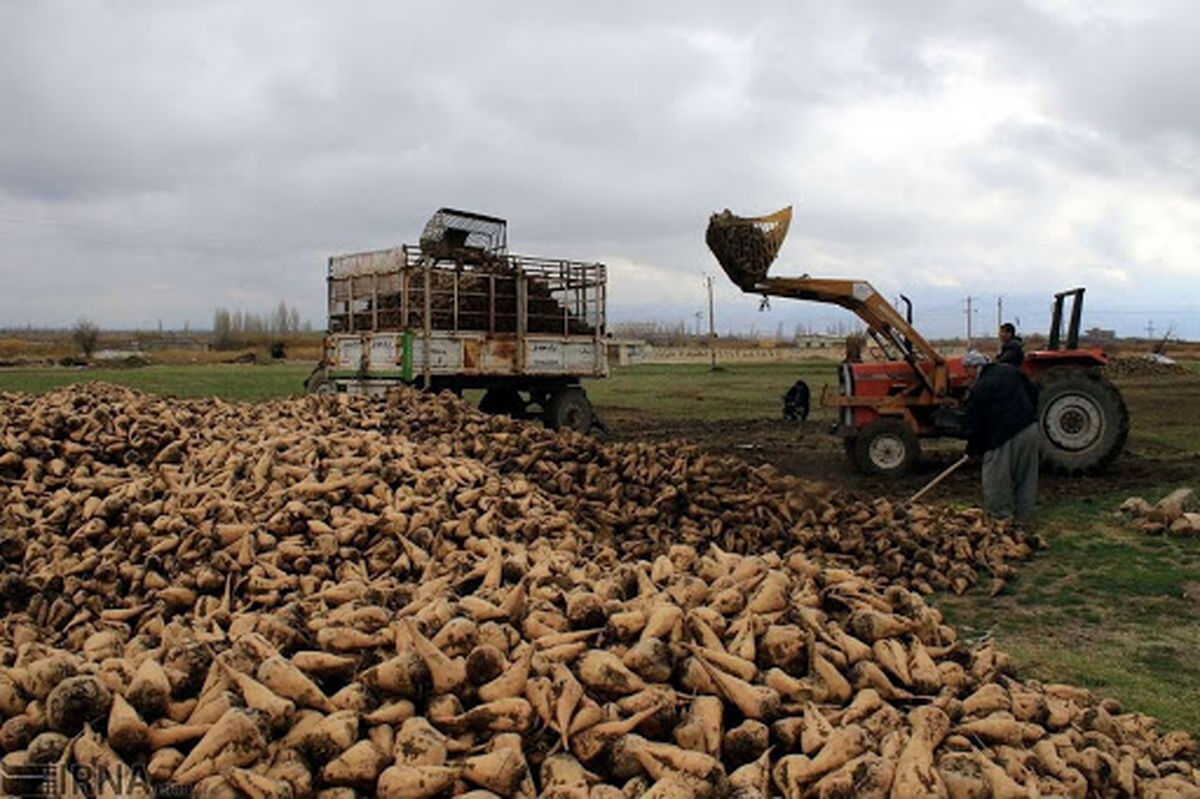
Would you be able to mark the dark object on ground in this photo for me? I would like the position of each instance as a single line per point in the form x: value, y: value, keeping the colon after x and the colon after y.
x: 245, y: 357
x: 277, y: 350
x: 796, y: 402
x: 128, y: 362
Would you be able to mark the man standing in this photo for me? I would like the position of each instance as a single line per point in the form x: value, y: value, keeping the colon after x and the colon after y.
x: 1002, y: 427
x: 1012, y: 349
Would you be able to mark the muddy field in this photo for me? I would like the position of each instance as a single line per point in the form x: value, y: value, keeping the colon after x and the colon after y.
x: 1163, y: 447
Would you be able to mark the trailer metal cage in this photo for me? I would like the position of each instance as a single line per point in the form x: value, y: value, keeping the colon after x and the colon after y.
x: 404, y: 289
x: 405, y: 314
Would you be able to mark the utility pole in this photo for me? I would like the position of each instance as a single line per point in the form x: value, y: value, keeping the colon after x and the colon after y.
x: 712, y: 330
x: 1150, y: 329
x: 999, y: 312
x: 970, y: 312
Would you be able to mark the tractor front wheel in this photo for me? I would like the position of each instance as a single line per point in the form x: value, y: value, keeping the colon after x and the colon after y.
x: 1083, y: 419
x: 886, y: 447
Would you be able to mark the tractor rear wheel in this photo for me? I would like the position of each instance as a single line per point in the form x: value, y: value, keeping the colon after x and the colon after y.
x: 1083, y: 419
x: 886, y: 447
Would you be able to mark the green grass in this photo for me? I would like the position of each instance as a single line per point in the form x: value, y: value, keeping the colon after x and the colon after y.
x: 1106, y: 607
x: 229, y: 381
x: 674, y: 391
x: 693, y: 391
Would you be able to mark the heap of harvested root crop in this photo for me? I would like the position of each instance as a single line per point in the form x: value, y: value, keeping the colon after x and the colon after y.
x: 282, y: 599
x: 1178, y: 513
x: 642, y: 497
x: 102, y: 455
x: 553, y: 669
x: 1142, y: 366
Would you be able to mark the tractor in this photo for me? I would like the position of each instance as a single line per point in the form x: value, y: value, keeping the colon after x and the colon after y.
x: 885, y: 408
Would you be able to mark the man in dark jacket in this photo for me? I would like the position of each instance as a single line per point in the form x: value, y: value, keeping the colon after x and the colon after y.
x: 1002, y: 428
x: 1012, y: 349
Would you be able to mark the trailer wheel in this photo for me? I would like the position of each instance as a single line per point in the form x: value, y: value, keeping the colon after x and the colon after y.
x: 569, y: 408
x: 318, y: 383
x: 886, y: 447
x: 1083, y: 420
x: 503, y: 402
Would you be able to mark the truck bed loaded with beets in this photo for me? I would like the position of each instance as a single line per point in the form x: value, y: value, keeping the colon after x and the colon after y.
x: 458, y: 311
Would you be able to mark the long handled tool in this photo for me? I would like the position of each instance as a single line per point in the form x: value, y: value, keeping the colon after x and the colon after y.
x: 932, y: 483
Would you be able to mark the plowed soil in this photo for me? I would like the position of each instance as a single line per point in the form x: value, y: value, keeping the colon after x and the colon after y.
x: 1163, y: 448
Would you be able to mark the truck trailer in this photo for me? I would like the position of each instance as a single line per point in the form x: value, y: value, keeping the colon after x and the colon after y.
x: 457, y: 311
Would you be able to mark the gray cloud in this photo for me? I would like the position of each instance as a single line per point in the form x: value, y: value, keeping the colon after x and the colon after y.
x: 159, y: 159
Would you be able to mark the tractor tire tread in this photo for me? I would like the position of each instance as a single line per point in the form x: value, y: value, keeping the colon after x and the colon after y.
x: 1108, y: 398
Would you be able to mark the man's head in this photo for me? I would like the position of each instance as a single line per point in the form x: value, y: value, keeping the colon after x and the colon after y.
x: 1007, y: 331
x: 973, y: 361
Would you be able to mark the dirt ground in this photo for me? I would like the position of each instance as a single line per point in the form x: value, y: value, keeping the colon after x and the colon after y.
x: 1156, y: 454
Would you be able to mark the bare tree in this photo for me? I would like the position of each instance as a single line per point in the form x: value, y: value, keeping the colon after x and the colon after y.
x: 279, y: 324
x: 86, y: 334
x: 222, y: 329
x: 239, y: 328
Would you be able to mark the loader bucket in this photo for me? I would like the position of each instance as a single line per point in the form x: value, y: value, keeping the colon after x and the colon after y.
x: 745, y: 247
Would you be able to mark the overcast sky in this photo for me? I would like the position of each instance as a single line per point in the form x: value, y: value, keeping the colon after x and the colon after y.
x: 160, y: 159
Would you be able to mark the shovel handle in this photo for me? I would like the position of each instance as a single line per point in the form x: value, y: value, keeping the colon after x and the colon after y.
x: 932, y: 483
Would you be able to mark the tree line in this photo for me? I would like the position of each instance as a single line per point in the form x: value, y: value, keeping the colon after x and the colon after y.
x: 237, y: 328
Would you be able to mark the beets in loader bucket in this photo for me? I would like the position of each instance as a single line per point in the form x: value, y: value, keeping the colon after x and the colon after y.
x: 745, y: 247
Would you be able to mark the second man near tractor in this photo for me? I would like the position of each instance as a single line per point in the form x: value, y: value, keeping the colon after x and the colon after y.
x: 1012, y: 350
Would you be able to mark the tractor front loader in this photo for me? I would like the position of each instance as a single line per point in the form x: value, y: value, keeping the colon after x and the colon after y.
x: 884, y: 408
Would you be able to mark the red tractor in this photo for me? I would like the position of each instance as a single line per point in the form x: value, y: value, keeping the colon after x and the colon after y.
x: 886, y: 407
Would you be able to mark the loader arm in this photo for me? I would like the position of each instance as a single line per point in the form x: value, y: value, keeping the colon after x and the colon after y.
x: 885, y: 324
x: 745, y: 247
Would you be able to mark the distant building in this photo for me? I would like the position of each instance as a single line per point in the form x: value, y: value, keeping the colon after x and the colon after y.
x: 817, y: 341
x: 1100, y: 334
x: 622, y: 352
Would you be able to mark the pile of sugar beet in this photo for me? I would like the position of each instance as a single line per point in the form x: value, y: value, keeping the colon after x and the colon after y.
x: 344, y: 597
